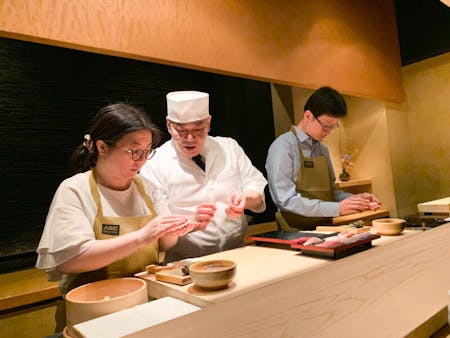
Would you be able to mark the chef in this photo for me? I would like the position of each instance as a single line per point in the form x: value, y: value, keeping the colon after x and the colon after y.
x: 300, y: 173
x: 194, y: 167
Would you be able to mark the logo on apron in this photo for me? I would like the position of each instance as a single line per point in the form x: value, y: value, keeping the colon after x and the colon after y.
x: 308, y: 164
x: 111, y: 229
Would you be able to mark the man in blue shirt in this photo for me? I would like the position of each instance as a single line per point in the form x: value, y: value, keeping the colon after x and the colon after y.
x: 299, y: 170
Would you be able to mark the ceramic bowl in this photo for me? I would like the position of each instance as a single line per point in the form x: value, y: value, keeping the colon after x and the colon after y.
x: 100, y: 298
x: 213, y: 274
x: 389, y: 226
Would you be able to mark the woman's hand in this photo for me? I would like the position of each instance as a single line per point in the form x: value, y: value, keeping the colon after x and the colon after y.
x: 237, y: 205
x: 165, y: 225
x: 203, y: 215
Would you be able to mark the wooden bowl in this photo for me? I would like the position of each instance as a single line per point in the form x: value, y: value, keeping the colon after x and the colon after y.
x: 389, y: 226
x: 213, y: 274
x: 100, y: 298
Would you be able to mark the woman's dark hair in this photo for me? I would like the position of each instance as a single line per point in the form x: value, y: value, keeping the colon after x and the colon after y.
x: 110, y: 124
x: 326, y: 100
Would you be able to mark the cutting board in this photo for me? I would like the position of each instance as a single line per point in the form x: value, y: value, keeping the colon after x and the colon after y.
x: 342, y: 228
x: 441, y: 206
x: 174, y: 276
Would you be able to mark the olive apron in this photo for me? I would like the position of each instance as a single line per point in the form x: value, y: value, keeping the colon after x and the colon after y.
x: 314, y: 181
x: 109, y: 227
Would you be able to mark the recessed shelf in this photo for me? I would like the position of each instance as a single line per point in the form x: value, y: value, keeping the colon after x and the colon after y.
x: 352, y: 183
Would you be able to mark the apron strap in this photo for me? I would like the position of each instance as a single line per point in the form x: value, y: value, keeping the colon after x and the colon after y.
x: 94, y: 192
x: 136, y: 180
x: 144, y: 195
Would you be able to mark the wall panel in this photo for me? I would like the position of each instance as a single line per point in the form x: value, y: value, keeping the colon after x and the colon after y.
x: 350, y: 45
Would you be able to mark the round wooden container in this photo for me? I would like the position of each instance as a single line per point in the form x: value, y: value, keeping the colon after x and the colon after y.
x: 100, y: 298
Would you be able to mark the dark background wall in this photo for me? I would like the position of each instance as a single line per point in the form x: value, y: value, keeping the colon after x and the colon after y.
x: 48, y: 96
x: 423, y: 29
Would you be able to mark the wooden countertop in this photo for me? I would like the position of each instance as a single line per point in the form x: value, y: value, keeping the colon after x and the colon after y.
x: 257, y: 266
x: 387, y: 291
x: 25, y: 287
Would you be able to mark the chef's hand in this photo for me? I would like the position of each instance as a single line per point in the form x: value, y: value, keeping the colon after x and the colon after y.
x: 164, y: 225
x: 237, y: 205
x: 358, y: 203
x: 203, y: 215
x: 374, y: 203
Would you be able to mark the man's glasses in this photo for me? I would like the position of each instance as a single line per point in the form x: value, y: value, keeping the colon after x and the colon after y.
x: 140, y: 154
x: 326, y: 127
x: 196, y: 132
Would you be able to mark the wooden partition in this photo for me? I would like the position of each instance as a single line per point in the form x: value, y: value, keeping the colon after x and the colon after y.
x: 350, y: 45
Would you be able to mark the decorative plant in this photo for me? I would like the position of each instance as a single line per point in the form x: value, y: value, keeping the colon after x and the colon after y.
x: 348, y: 152
x: 347, y: 164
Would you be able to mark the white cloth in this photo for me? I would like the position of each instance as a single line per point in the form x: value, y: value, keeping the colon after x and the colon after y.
x: 68, y: 228
x: 186, y: 186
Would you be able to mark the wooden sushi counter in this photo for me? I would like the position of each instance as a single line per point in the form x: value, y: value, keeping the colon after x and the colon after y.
x: 398, y: 288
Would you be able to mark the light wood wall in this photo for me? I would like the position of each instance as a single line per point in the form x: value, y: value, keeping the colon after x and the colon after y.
x: 402, y: 148
x: 350, y: 45
x: 364, y: 129
x: 419, y: 134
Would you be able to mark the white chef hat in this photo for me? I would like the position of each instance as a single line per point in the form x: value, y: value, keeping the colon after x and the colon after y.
x: 187, y: 106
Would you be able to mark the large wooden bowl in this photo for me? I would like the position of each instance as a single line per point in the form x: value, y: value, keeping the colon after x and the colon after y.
x: 213, y: 274
x: 389, y: 226
x: 100, y: 298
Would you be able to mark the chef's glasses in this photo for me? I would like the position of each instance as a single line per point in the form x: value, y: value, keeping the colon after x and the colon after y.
x: 326, y: 127
x: 140, y: 154
x: 198, y: 131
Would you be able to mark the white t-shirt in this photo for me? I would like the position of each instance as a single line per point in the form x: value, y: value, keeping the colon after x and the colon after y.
x: 69, y: 229
x: 186, y: 186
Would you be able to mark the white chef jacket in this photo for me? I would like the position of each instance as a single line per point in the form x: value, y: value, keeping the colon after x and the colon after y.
x: 227, y: 169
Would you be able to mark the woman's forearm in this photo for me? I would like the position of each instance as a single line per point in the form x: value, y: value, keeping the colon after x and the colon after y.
x: 102, y: 253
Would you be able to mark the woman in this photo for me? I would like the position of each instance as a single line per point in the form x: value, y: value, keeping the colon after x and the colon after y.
x: 103, y: 221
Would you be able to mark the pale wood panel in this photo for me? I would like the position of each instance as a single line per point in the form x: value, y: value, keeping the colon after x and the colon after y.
x: 25, y: 287
x: 34, y: 322
x: 387, y: 291
x: 352, y: 46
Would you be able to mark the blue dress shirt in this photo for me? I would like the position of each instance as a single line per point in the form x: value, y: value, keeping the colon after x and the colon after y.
x: 283, y: 165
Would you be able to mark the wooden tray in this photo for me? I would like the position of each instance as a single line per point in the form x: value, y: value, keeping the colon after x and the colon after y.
x: 285, y: 237
x: 342, y: 228
x: 339, y: 252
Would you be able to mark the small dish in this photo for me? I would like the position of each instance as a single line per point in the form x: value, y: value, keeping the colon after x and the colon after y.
x: 389, y: 226
x: 213, y: 274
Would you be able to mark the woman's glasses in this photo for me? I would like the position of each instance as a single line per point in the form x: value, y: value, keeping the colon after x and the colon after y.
x: 140, y: 154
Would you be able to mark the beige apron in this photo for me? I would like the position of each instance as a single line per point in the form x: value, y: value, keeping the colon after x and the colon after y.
x: 314, y: 181
x: 110, y: 227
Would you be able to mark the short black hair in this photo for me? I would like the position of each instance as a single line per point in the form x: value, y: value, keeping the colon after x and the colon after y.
x: 326, y: 100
